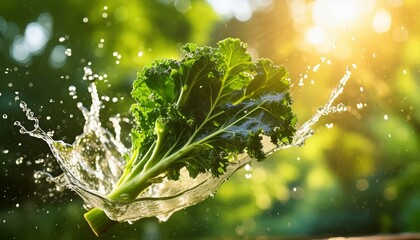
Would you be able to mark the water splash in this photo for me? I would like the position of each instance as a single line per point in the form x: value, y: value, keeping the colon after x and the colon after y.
x: 93, y: 164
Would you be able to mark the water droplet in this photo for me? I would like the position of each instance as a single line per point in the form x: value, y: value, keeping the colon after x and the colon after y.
x: 85, y: 19
x: 19, y: 161
x: 4, y: 116
x: 386, y: 117
x: 23, y: 105
x: 359, y: 105
x: 39, y: 161
x: 62, y: 39
x: 329, y: 125
x: 68, y: 52
x: 17, y: 205
x: 341, y: 107
x: 247, y: 167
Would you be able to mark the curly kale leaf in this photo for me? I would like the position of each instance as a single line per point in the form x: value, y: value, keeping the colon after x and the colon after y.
x: 201, y: 111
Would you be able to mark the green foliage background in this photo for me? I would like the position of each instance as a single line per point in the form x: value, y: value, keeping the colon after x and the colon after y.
x: 359, y: 177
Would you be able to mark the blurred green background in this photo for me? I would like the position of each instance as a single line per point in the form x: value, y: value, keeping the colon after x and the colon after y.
x: 358, y: 175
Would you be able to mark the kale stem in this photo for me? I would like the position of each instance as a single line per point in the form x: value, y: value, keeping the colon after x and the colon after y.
x: 98, y: 221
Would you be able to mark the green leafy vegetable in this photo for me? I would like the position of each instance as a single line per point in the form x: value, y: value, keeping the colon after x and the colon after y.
x: 199, y: 113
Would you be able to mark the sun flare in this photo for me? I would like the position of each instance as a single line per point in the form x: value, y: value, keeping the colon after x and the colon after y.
x: 329, y: 25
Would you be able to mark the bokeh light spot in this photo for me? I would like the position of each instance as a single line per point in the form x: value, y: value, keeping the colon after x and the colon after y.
x: 381, y: 21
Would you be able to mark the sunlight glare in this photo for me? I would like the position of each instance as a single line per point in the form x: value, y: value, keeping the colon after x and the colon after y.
x: 335, y: 13
x: 315, y: 35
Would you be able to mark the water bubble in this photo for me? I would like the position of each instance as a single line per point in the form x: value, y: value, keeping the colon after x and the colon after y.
x: 85, y: 19
x: 4, y: 116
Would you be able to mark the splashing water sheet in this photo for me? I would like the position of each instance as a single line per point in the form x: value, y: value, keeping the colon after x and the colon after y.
x: 93, y: 164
